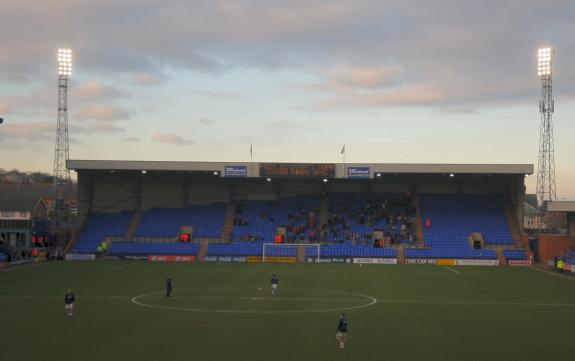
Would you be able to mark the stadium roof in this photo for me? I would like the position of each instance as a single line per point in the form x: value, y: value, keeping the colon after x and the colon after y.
x: 561, y: 206
x: 252, y: 168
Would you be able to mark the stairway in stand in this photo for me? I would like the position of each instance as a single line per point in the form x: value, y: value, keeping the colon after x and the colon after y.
x: 400, y: 255
x: 229, y: 223
x: 134, y: 223
x: 301, y: 253
x: 418, y: 223
x: 323, y: 211
x: 203, y: 251
x: 513, y: 224
x: 501, y: 256
x: 74, y: 235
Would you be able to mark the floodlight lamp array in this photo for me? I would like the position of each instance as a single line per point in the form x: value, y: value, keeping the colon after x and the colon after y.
x: 64, y: 62
x: 544, y: 61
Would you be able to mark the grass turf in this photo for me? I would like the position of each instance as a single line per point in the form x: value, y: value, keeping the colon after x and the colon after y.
x: 423, y: 312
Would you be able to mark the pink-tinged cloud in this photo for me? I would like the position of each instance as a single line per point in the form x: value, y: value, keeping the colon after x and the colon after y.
x: 408, y: 95
x: 148, y: 79
x: 4, y: 108
x: 32, y: 131
x: 104, y: 128
x: 24, y: 134
x: 103, y: 112
x: 95, y: 90
x: 43, y: 98
x: 132, y: 139
x: 171, y: 139
x: 349, y: 78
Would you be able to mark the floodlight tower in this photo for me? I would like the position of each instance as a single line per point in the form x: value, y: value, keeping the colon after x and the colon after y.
x: 62, y: 150
x: 546, y: 161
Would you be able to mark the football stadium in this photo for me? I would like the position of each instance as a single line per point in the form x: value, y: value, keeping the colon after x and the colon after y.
x: 135, y: 225
x: 431, y: 255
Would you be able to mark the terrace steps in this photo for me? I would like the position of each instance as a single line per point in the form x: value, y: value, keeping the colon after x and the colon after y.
x: 516, y: 234
x: 228, y: 222
x: 203, y: 251
x: 301, y: 253
x: 134, y: 223
x: 323, y: 210
x: 400, y: 255
x: 418, y: 223
x: 74, y: 236
x: 500, y: 256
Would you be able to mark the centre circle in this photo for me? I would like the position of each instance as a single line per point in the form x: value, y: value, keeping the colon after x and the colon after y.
x: 250, y: 300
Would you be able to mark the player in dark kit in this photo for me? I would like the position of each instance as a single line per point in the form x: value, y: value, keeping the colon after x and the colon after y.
x: 169, y: 287
x: 341, y: 335
x: 274, y: 281
x: 69, y: 300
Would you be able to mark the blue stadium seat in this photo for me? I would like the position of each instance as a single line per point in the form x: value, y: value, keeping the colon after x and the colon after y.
x: 453, y: 218
x: 207, y: 221
x: 101, y: 225
x: 515, y: 254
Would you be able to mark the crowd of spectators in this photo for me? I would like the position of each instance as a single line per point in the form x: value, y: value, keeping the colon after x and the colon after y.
x: 300, y: 224
x: 393, y: 217
x: 353, y: 218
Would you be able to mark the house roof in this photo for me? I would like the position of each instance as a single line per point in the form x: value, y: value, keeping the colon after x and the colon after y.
x: 561, y: 206
x: 529, y: 209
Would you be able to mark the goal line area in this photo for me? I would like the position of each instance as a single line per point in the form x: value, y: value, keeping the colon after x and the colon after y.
x: 310, y: 250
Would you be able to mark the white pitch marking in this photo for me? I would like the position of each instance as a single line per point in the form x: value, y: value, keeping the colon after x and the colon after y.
x: 372, y: 301
x: 452, y: 270
x: 488, y: 303
x: 51, y: 296
x: 553, y: 274
x: 190, y: 298
x: 274, y: 298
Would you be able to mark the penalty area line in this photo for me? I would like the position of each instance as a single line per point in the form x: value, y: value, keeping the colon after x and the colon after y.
x: 451, y: 269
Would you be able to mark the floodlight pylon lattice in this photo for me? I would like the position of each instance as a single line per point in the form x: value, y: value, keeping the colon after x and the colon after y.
x: 62, y: 178
x: 546, y: 188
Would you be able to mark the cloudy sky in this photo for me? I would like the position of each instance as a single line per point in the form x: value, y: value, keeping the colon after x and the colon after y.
x: 396, y: 81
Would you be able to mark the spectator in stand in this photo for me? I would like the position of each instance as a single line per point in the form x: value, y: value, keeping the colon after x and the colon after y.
x: 427, y: 222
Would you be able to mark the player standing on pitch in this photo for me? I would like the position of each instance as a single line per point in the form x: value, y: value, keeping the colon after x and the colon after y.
x: 169, y: 287
x: 274, y: 281
x: 69, y: 300
x: 341, y: 335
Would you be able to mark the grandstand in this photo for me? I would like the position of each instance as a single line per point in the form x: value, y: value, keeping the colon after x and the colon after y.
x: 370, y: 211
x: 166, y: 222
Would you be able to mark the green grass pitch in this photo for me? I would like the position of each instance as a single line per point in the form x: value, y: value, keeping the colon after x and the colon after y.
x: 217, y: 312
